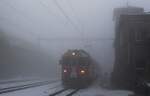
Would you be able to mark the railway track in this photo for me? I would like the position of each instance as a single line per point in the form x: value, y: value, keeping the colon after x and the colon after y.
x: 21, y: 87
x: 13, y: 81
x: 65, y: 92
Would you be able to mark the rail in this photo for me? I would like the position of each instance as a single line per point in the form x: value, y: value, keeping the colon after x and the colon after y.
x: 21, y: 87
x: 63, y: 90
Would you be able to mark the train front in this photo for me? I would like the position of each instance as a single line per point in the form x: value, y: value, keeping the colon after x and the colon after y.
x: 76, y: 68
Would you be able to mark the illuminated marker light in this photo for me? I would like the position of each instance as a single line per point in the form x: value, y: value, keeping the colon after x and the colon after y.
x: 73, y: 53
x: 65, y: 70
x: 82, y: 71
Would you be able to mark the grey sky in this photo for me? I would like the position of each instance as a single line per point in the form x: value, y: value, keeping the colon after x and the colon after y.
x: 92, y: 17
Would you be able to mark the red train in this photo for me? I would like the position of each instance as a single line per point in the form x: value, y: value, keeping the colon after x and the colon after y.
x: 78, y: 68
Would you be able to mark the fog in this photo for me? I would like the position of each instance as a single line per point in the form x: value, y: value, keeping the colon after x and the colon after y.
x: 35, y: 33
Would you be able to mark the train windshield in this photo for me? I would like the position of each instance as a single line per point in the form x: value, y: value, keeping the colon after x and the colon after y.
x: 75, y: 61
x: 70, y: 61
x: 84, y: 61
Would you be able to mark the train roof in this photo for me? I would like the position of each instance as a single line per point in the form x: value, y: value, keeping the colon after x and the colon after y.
x: 75, y: 52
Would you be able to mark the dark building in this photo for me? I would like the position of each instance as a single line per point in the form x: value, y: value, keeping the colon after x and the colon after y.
x: 132, y: 54
x: 129, y: 10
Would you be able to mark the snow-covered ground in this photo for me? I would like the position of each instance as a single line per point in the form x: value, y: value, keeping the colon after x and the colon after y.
x: 35, y: 91
x: 96, y: 90
x: 12, y: 83
x: 46, y: 90
x: 103, y: 92
x: 4, y: 80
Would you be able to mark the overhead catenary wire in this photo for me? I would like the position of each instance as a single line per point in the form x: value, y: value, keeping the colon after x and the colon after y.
x: 20, y: 12
x: 63, y: 13
x: 48, y: 8
x: 74, y: 13
x: 86, y: 42
x: 77, y: 19
x: 66, y: 15
x: 69, y: 20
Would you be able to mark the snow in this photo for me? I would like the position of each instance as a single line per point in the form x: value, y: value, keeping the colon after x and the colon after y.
x: 19, y: 78
x: 6, y: 85
x: 12, y: 80
x: 46, y: 90
x: 17, y: 82
x: 102, y: 92
x: 99, y: 91
x: 35, y: 91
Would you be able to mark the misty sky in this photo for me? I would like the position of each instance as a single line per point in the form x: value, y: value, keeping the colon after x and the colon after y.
x: 44, y: 17
x: 48, y: 22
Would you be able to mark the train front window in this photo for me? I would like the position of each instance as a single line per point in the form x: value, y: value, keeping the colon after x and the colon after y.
x: 84, y: 61
x: 70, y: 61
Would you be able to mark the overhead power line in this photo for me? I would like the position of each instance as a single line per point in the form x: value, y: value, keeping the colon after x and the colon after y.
x: 69, y: 20
x: 74, y: 13
x: 66, y: 16
x: 76, y: 17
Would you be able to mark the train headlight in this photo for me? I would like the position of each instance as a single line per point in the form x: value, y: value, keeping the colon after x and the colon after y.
x: 82, y: 72
x: 73, y: 53
x: 65, y: 71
